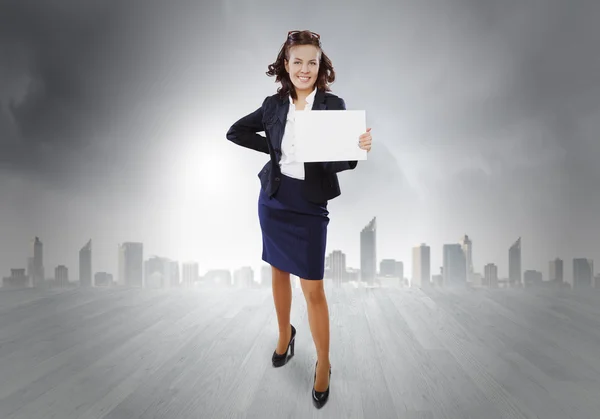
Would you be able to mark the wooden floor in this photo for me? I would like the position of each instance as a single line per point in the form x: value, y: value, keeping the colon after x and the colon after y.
x: 395, y: 353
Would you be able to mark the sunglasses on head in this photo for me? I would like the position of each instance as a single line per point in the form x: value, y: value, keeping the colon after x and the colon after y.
x: 292, y: 33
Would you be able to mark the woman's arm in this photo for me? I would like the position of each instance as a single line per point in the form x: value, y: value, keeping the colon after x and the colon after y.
x: 339, y: 166
x: 244, y: 132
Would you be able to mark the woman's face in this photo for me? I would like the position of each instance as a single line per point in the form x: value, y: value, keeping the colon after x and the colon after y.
x: 303, y: 67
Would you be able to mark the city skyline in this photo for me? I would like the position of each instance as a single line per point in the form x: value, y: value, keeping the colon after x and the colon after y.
x: 456, y: 257
x: 119, y: 134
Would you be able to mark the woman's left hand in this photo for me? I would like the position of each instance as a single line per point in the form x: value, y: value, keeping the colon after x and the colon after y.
x: 364, y: 141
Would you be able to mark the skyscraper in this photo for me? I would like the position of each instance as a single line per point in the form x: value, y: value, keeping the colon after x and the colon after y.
x: 131, y: 264
x: 337, y: 266
x: 421, y: 275
x: 61, y: 276
x: 85, y: 265
x: 400, y: 271
x: 368, y: 253
x: 491, y: 275
x: 467, y: 247
x: 37, y: 263
x: 157, y: 272
x: 514, y: 263
x: 555, y: 271
x: 455, y: 266
x: 583, y: 271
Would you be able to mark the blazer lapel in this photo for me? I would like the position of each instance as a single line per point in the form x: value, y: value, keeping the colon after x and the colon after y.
x: 319, y: 102
x: 284, y: 106
x: 282, y: 110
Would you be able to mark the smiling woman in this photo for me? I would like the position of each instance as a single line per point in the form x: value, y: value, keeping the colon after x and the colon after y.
x: 293, y: 197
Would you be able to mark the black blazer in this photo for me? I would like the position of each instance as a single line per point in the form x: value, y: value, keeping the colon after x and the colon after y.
x: 320, y: 179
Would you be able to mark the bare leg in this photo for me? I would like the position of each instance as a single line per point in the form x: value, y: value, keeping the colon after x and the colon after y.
x: 282, y: 297
x: 318, y: 317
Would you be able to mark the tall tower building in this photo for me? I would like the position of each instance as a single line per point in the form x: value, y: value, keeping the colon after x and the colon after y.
x: 491, y: 275
x: 421, y: 275
x: 455, y: 267
x: 337, y: 267
x: 85, y: 265
x: 37, y: 263
x: 583, y: 272
x: 555, y: 271
x: 368, y: 253
x: 514, y: 263
x: 400, y: 271
x: 467, y: 247
x: 61, y: 276
x: 190, y: 273
x: 131, y: 264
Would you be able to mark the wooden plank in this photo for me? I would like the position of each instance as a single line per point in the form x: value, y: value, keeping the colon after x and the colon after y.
x: 406, y: 353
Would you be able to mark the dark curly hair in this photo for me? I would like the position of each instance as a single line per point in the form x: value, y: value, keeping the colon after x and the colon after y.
x: 326, y: 74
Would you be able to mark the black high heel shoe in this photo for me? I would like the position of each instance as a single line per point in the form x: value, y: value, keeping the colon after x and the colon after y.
x: 319, y: 398
x: 281, y: 360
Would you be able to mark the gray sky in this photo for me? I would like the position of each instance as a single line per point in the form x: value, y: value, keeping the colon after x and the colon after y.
x: 485, y: 117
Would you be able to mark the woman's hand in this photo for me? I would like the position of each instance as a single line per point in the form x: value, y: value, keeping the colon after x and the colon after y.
x: 364, y: 141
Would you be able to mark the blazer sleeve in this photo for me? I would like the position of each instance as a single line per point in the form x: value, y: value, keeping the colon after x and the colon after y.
x: 340, y: 166
x: 244, y: 132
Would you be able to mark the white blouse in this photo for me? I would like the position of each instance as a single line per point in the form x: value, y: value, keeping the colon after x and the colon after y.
x: 288, y: 164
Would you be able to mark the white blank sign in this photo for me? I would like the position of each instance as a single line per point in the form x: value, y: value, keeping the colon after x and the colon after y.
x: 329, y: 135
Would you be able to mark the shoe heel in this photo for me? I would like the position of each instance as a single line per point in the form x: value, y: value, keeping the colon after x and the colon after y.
x: 280, y: 360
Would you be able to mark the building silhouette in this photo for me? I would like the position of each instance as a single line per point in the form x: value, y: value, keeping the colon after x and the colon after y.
x: 556, y: 271
x: 190, y: 273
x: 583, y: 271
x: 437, y: 280
x: 61, y: 276
x: 161, y: 272
x: 103, y: 279
x: 85, y: 265
x: 387, y: 268
x: 368, y: 253
x: 467, y: 247
x: 421, y: 275
x: 36, y: 263
x: 532, y: 278
x: 244, y: 277
x: 18, y: 279
x: 514, y: 263
x: 131, y: 264
x: 490, y: 275
x: 335, y: 267
x: 455, y: 266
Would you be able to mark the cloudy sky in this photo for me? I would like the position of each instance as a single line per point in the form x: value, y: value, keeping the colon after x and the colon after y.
x: 485, y: 117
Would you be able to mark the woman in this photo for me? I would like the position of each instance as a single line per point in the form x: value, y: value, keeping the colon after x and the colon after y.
x: 292, y: 205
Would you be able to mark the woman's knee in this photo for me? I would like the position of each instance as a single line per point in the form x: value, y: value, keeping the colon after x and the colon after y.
x: 313, y: 290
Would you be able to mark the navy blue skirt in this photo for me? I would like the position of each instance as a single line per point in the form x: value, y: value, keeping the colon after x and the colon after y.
x: 294, y: 230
